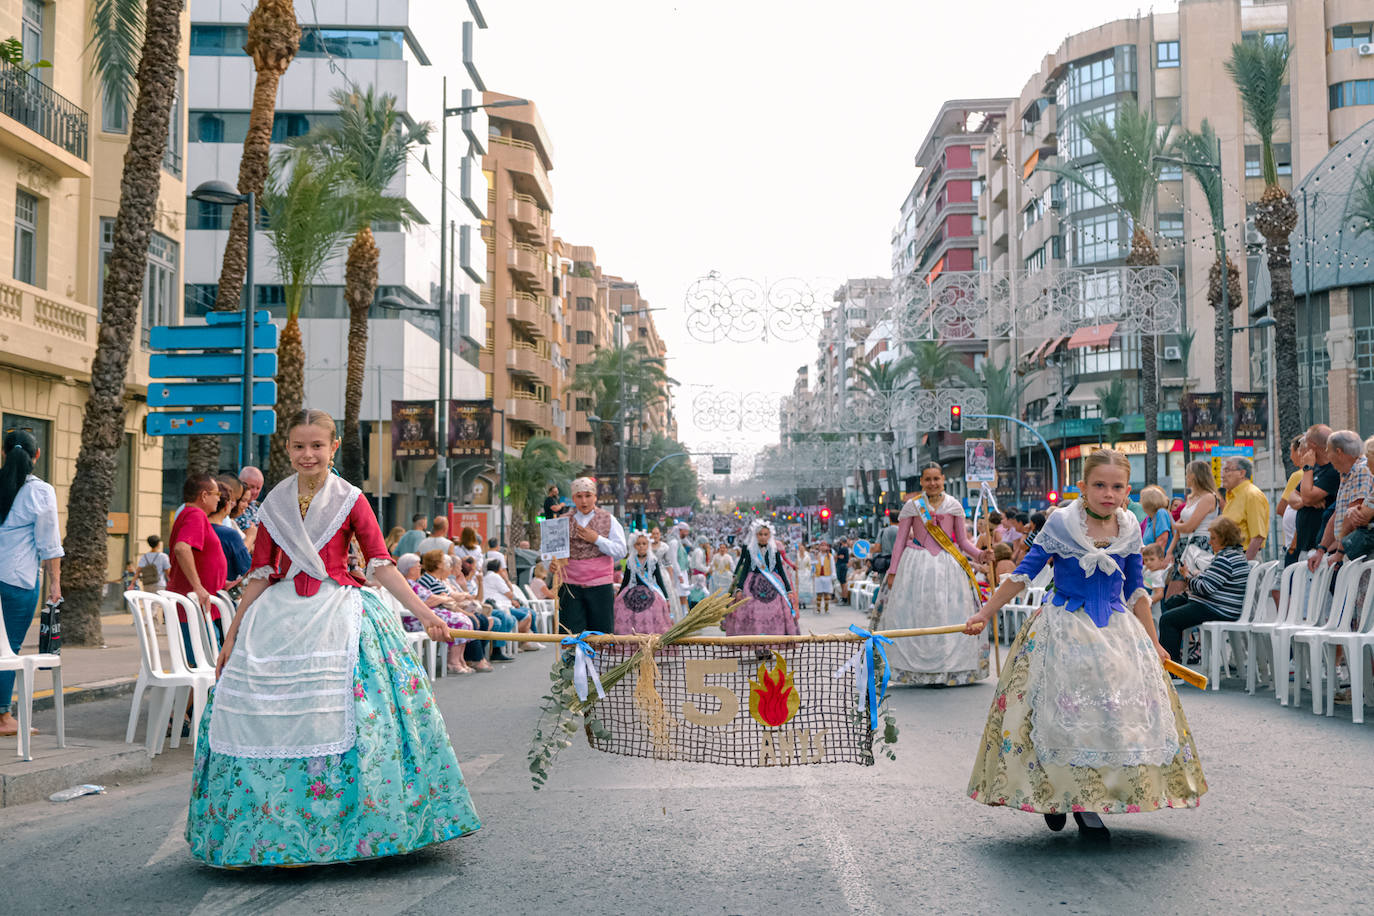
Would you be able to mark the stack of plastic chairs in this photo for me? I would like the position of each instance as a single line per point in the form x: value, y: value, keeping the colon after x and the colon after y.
x: 1307, y: 643
x: 1307, y: 614
x: 542, y: 609
x: 1358, y: 645
x: 166, y: 672
x: 1218, y: 634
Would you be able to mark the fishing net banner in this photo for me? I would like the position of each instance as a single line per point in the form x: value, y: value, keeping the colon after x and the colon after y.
x: 751, y: 705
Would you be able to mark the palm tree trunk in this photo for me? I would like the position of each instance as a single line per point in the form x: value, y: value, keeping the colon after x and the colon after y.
x: 102, y: 427
x: 360, y: 285
x: 290, y: 397
x: 274, y: 37
x: 1275, y: 217
x: 1143, y: 253
x: 1234, y: 295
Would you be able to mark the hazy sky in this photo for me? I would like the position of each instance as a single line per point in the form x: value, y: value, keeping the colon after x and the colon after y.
x: 758, y: 138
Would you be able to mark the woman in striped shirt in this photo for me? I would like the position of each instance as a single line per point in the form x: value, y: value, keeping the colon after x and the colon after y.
x: 1218, y: 593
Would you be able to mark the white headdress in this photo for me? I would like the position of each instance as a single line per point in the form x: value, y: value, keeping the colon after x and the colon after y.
x: 752, y: 542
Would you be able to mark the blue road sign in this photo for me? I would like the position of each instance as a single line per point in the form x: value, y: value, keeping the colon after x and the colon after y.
x: 861, y: 549
x: 212, y: 337
x: 209, y: 365
x: 261, y: 316
x: 209, y: 423
x: 1233, y: 451
x: 209, y: 394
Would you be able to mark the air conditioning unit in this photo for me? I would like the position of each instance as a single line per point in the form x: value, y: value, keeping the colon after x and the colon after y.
x: 1173, y: 354
x: 1365, y: 49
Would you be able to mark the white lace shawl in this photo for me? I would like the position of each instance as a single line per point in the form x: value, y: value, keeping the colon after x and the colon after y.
x: 949, y: 506
x: 303, y: 539
x: 1065, y: 535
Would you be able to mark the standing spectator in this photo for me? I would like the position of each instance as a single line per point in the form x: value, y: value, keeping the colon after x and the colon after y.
x: 199, y: 567
x: 1246, y: 505
x: 153, y: 566
x: 252, y: 481
x: 1218, y: 593
x: 1200, y: 509
x: 438, y: 538
x: 1346, y: 453
x: 410, y: 541
x: 842, y: 568
x: 29, y: 540
x: 237, y: 559
x: 553, y: 506
x: 1287, y: 509
x: 1159, y: 527
x: 1316, y: 494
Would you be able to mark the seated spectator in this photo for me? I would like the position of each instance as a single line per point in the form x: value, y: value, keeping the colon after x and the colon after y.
x: 1003, y: 563
x: 1357, y: 531
x: 438, y: 538
x: 1156, y: 572
x: 470, y: 546
x: 1216, y: 594
x: 499, y: 592
x: 539, y: 585
x: 410, y: 566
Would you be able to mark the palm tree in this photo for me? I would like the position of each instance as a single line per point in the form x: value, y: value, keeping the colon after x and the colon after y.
x: 601, y: 379
x: 1128, y: 147
x: 371, y: 141
x: 937, y: 365
x: 1258, y: 69
x: 1111, y: 400
x: 273, y: 39
x: 882, y: 380
x: 542, y: 462
x: 1004, y: 387
x: 1185, y: 349
x: 1201, y: 153
x: 308, y: 211
x: 132, y: 41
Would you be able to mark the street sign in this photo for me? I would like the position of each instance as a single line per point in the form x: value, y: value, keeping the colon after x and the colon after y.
x: 861, y: 549
x: 1228, y: 451
x: 261, y: 316
x: 212, y: 337
x: 209, y: 423
x: 209, y: 394
x: 208, y: 365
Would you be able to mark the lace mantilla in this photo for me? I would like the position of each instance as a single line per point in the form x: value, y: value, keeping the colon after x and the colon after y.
x: 262, y: 572
x: 375, y: 564
x: 1065, y: 534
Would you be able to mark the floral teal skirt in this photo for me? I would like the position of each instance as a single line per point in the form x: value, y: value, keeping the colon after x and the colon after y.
x: 396, y: 790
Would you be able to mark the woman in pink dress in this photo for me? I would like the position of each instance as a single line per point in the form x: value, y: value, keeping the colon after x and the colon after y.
x: 931, y: 584
x: 642, y: 604
x: 761, y: 579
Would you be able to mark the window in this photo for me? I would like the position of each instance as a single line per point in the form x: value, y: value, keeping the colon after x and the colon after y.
x: 978, y: 187
x: 33, y: 31
x: 25, y: 235
x: 171, y: 159
x: 584, y: 337
x: 1352, y: 92
x: 1120, y: 355
x: 41, y: 430
x: 1081, y: 198
x: 1283, y: 158
x: 1171, y: 225
x: 114, y: 113
x: 1031, y: 118
x: 159, y: 283
x: 584, y: 304
x: 1099, y: 78
x: 1166, y: 54
x: 1170, y: 172
x: 1269, y: 38
x: 203, y: 215
x: 352, y: 44
x: 1097, y: 239
x: 1036, y: 261
x: 1033, y: 213
x: 1351, y: 36
x: 583, y: 404
x: 232, y: 126
x: 1076, y: 144
x: 1057, y: 247
x: 584, y: 438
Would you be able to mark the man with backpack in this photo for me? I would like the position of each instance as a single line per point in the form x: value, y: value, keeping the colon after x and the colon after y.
x: 153, y: 566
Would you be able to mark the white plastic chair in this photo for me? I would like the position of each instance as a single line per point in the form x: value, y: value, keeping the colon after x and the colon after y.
x: 1293, y: 582
x: 1307, y: 654
x: 227, y: 608
x: 426, y: 651
x: 1308, y: 614
x: 1217, y: 634
x: 166, y: 683
x: 200, y: 667
x: 25, y: 668
x: 542, y: 608
x: 1356, y: 644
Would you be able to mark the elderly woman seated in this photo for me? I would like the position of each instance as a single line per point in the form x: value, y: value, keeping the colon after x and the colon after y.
x: 446, y: 606
x: 1218, y: 593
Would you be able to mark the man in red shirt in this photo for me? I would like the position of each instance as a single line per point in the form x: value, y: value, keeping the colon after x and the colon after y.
x: 198, y: 565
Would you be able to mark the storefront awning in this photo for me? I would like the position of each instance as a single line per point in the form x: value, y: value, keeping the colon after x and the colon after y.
x: 1082, y: 396
x: 1030, y: 165
x: 935, y: 271
x: 1096, y: 336
x: 1052, y: 347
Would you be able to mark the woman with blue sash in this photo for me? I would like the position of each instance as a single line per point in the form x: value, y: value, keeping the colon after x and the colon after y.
x: 642, y: 604
x: 761, y: 579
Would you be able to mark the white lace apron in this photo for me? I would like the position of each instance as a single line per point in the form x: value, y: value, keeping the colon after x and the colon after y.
x: 287, y: 690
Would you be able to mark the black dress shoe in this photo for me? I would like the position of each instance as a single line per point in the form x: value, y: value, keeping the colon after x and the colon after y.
x: 1056, y: 822
x: 498, y: 655
x: 1096, y: 834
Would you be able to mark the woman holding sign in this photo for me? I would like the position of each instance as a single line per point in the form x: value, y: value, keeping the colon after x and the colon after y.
x: 931, y: 584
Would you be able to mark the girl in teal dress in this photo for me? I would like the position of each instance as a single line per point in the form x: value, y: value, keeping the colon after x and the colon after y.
x: 322, y: 741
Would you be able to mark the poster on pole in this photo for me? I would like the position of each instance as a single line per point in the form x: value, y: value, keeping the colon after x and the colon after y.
x: 555, y: 538
x: 1252, y: 415
x: 412, y: 430
x: 980, y: 460
x: 469, y: 429
x: 653, y: 503
x: 1203, y: 417
x: 636, y: 489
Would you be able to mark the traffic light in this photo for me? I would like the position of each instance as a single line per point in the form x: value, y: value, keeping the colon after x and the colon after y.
x: 1053, y: 497
x: 956, y: 418
x: 825, y: 514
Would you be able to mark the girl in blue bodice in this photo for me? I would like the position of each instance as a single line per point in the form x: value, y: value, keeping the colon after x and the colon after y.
x: 1085, y: 721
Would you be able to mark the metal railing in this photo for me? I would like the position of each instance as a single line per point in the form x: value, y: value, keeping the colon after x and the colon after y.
x: 511, y: 141
x: 28, y: 100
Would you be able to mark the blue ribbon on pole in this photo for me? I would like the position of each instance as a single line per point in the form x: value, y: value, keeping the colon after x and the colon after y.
x: 867, y: 688
x: 582, y: 664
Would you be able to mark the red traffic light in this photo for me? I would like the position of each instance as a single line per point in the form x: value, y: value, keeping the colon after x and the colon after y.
x: 1053, y: 497
x: 825, y: 514
x: 956, y: 418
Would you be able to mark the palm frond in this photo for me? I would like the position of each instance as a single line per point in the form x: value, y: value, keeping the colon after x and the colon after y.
x: 1127, y: 146
x: 1203, y: 148
x: 116, y: 45
x: 936, y: 363
x: 308, y: 218
x: 1362, y: 203
x: 1258, y: 69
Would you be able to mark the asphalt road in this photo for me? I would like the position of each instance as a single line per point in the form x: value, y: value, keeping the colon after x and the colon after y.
x: 1285, y: 828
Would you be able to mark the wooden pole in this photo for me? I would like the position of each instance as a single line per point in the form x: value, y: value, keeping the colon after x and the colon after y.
x: 762, y: 638
x: 992, y: 583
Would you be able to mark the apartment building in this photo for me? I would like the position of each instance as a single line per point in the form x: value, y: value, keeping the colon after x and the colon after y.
x: 409, y: 51
x: 1172, y: 65
x: 62, y: 145
x: 518, y: 355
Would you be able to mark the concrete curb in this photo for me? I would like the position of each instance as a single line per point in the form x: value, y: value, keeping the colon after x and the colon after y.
x: 80, y: 762
x: 87, y: 693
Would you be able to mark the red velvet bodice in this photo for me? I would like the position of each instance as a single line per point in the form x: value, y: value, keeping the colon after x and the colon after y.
x: 361, y: 523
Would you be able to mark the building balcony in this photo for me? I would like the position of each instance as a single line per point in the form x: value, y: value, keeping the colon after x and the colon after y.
x: 997, y: 183
x: 525, y: 214
x: 520, y: 158
x: 532, y: 312
x: 42, y: 125
x: 522, y: 409
x: 585, y: 454
x: 47, y: 333
x: 527, y: 263
x: 523, y: 359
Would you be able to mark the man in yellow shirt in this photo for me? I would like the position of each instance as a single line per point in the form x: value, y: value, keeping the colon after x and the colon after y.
x: 1246, y: 505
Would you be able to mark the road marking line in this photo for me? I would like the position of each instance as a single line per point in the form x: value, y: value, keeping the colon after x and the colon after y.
x: 174, y: 842
x: 842, y: 859
x: 477, y: 765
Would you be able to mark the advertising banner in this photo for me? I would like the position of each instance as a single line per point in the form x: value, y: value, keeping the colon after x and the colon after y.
x: 1204, y: 416
x: 412, y: 430
x: 469, y: 429
x: 1252, y: 415
x: 637, y: 489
